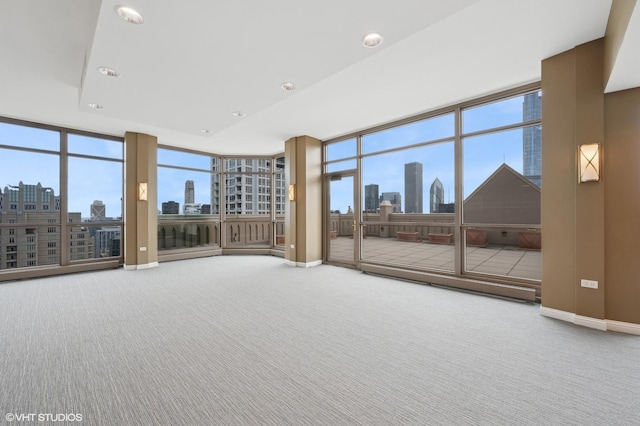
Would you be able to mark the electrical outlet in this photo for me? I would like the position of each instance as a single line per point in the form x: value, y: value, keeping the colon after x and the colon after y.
x: 143, y: 249
x: 589, y: 284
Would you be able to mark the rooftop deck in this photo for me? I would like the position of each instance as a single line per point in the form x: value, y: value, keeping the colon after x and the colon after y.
x: 509, y: 261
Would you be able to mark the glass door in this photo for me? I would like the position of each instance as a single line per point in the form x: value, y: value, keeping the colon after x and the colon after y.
x: 342, y: 223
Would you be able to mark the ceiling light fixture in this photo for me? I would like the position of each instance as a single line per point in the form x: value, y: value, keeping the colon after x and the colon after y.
x: 288, y: 86
x: 238, y: 113
x: 372, y: 40
x: 96, y: 106
x: 128, y: 14
x: 206, y: 131
x: 109, y: 72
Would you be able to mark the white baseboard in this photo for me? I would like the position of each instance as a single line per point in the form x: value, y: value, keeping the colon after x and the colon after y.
x: 623, y: 327
x: 302, y: 264
x: 598, y: 324
x: 558, y: 314
x: 143, y: 266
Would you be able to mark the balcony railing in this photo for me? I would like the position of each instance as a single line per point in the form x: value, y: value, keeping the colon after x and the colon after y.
x: 178, y: 232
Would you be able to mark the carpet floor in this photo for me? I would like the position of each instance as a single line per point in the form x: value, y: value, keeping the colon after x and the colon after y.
x: 248, y: 340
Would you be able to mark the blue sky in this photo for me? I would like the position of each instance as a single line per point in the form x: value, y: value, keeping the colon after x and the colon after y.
x: 91, y: 179
x: 482, y: 154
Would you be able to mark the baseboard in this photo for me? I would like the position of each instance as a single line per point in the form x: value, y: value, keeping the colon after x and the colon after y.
x: 558, y: 314
x: 598, y: 324
x: 302, y: 264
x: 623, y: 327
x: 595, y: 323
x: 143, y: 266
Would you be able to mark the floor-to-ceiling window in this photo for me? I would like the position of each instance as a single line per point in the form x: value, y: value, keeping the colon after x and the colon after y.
x: 60, y: 197
x: 248, y: 183
x: 210, y: 203
x: 188, y: 206
x: 408, y: 176
x: 456, y: 191
x: 502, y: 180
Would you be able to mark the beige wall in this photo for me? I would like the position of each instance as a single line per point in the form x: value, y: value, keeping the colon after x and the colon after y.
x: 622, y: 208
x: 590, y: 229
x: 303, y: 217
x: 141, y: 217
x: 559, y: 167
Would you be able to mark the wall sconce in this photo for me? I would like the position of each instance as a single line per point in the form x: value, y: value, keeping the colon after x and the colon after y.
x: 589, y: 162
x: 292, y: 192
x: 142, y: 191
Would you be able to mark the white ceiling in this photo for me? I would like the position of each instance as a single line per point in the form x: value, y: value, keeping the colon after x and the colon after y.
x: 185, y: 70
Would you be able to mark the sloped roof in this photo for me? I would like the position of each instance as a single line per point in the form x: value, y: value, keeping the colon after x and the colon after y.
x: 504, y: 197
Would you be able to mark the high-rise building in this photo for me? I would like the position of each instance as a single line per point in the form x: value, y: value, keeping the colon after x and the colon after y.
x: 35, y: 238
x: 394, y: 198
x: 215, y: 185
x: 189, y: 192
x: 170, y: 207
x: 371, y: 198
x: 282, y: 192
x: 532, y: 138
x: 413, y: 187
x: 247, y: 184
x: 107, y: 241
x: 436, y: 196
x: 98, y: 210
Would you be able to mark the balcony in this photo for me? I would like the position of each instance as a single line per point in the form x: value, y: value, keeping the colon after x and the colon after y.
x: 426, y: 242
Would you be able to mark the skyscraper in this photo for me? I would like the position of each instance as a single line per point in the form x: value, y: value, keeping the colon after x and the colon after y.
x: 170, y: 207
x: 532, y: 138
x: 413, y: 187
x: 436, y: 196
x: 35, y: 238
x: 371, y: 199
x: 394, y: 198
x: 189, y: 192
x: 98, y: 210
x: 248, y: 185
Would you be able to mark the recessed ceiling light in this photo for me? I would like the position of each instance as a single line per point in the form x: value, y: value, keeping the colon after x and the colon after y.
x: 288, y: 86
x: 372, y: 40
x: 206, y: 131
x: 109, y: 72
x: 238, y: 113
x: 96, y: 106
x: 128, y: 14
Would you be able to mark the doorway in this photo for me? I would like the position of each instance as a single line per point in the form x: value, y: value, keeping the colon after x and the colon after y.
x: 342, y: 221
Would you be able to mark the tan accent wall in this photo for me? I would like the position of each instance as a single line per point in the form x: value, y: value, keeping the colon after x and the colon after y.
x: 619, y: 17
x: 572, y: 213
x: 622, y: 208
x: 589, y: 209
x: 303, y: 217
x: 558, y: 167
x: 591, y: 230
x: 141, y: 217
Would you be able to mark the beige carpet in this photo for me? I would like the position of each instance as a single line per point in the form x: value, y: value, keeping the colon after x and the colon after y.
x: 247, y: 340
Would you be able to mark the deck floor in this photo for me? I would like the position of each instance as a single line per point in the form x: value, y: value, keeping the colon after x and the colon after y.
x: 495, y: 260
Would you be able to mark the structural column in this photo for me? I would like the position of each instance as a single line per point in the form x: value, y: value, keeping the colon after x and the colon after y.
x: 140, y: 215
x: 303, y: 215
x: 572, y: 212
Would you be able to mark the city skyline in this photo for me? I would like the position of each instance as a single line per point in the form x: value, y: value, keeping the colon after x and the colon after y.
x: 483, y: 154
x: 84, y: 186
